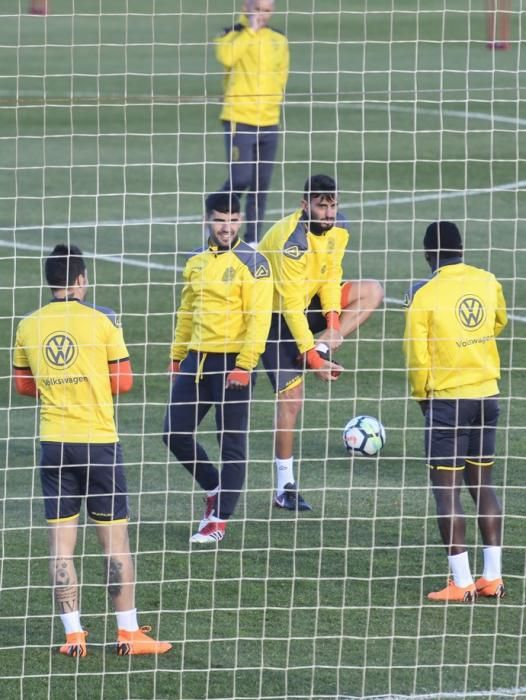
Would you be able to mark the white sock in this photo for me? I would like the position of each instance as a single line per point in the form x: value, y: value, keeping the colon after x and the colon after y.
x: 284, y: 473
x: 71, y: 622
x: 127, y: 620
x: 214, y: 492
x: 492, y: 563
x: 459, y: 565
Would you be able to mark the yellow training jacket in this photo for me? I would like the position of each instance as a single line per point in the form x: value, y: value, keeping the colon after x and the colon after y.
x: 450, y: 331
x: 303, y: 265
x: 226, y: 304
x: 67, y: 345
x: 257, y: 65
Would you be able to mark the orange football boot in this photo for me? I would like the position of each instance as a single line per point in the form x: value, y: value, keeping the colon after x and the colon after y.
x: 455, y: 594
x: 139, y: 642
x: 490, y: 589
x: 75, y: 644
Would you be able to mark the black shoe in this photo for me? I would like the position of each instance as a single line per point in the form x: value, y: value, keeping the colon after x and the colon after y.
x: 291, y: 499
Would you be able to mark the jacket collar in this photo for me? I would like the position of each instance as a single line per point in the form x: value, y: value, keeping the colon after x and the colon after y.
x: 446, y: 263
x: 218, y: 249
x: 70, y: 297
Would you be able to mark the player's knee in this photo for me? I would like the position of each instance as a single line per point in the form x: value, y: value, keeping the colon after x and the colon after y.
x: 240, y: 179
x: 178, y: 443
x: 374, y: 293
x: 289, y: 407
x: 379, y: 292
x: 369, y: 294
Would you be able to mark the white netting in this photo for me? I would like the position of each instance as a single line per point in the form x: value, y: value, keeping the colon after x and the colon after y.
x: 109, y: 138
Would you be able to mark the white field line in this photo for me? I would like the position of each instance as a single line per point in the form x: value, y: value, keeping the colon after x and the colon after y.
x: 124, y: 261
x: 453, y: 695
x: 430, y: 196
x: 121, y: 260
x: 480, y: 116
x: 117, y: 259
x: 390, y: 201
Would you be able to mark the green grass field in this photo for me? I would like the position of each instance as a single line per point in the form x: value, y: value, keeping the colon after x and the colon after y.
x: 109, y: 136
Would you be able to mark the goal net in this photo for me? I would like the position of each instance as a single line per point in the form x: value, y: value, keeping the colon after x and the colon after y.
x: 110, y: 138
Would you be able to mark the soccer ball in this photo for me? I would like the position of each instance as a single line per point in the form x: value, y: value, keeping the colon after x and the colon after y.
x: 364, y: 435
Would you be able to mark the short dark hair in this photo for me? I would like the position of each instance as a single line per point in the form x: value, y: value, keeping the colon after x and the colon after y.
x: 225, y: 202
x: 64, y: 265
x: 443, y: 238
x: 318, y: 185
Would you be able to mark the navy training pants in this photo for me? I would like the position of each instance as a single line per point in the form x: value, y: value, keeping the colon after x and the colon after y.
x: 199, y: 385
x: 251, y: 152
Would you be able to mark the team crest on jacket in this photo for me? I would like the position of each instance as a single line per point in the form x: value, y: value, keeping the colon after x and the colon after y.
x: 470, y: 312
x: 228, y: 274
x: 293, y: 251
x: 262, y: 271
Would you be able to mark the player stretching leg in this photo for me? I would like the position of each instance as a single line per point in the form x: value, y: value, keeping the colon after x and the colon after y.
x: 305, y: 251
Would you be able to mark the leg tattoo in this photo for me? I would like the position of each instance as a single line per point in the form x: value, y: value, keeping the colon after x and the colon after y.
x: 114, y: 577
x: 65, y: 587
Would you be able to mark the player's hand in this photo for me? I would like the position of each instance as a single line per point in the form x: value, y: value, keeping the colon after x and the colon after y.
x: 238, y: 379
x: 329, y: 372
x: 175, y: 366
x: 332, y: 337
x: 322, y: 366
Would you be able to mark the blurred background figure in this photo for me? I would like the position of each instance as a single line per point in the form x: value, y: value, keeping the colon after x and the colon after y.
x: 256, y: 59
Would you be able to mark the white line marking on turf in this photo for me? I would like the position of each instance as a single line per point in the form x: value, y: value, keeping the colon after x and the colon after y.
x: 407, y: 199
x: 117, y: 259
x: 121, y: 260
x: 453, y: 695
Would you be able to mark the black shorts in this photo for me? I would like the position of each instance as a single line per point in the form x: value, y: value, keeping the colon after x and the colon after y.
x: 459, y: 431
x: 281, y: 354
x: 71, y: 471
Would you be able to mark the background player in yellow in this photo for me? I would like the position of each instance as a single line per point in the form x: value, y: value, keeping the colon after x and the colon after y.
x: 451, y: 352
x: 222, y: 325
x: 305, y: 250
x: 72, y: 355
x: 256, y: 60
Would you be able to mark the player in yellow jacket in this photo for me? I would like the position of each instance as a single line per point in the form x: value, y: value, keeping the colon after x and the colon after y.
x: 453, y: 361
x: 305, y: 251
x: 72, y: 355
x: 256, y: 61
x: 222, y: 326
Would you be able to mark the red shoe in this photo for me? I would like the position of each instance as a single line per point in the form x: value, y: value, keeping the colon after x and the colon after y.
x: 138, y: 642
x: 75, y: 644
x: 210, y: 504
x: 498, y: 45
x: 490, y: 589
x: 213, y: 531
x: 455, y: 594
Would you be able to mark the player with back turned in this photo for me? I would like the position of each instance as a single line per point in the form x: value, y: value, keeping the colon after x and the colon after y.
x: 72, y: 355
x: 451, y: 353
x: 305, y: 250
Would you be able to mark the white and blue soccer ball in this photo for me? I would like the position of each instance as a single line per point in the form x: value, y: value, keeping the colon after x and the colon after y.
x: 364, y: 435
